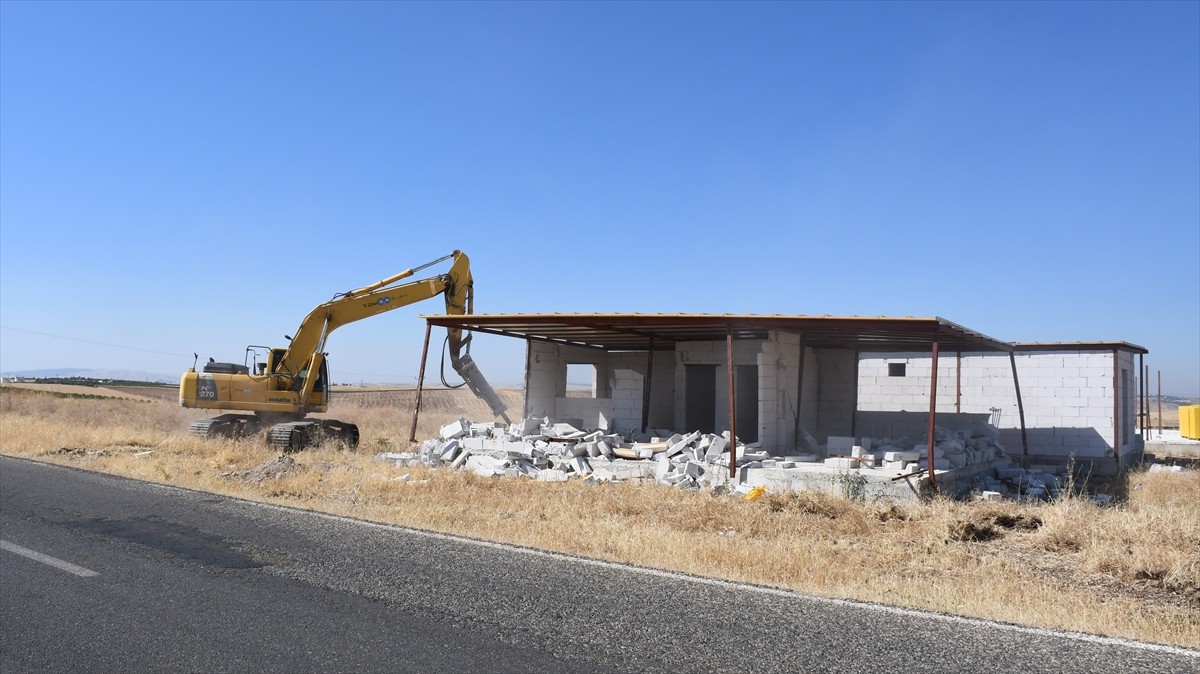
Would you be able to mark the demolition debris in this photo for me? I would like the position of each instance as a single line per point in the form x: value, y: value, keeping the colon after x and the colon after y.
x: 552, y: 451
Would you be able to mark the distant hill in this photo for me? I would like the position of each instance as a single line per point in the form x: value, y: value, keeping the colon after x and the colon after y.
x: 83, y: 373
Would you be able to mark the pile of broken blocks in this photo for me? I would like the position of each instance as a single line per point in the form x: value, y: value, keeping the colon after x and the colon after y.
x: 552, y: 451
x: 952, y: 449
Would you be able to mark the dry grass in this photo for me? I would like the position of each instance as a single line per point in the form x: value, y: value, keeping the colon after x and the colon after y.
x: 1131, y: 571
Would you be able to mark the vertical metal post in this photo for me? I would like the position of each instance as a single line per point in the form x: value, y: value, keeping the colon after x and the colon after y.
x: 528, y: 360
x: 1160, y: 403
x: 412, y: 436
x: 646, y: 386
x: 933, y: 411
x: 958, y: 382
x: 732, y: 403
x: 1144, y: 406
x: 854, y: 414
x: 1012, y: 360
x: 799, y: 392
x: 1116, y: 393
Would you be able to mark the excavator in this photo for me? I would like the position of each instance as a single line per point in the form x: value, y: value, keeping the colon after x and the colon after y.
x: 281, y: 386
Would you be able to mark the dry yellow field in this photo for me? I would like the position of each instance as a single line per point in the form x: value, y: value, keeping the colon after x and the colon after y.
x: 1130, y: 570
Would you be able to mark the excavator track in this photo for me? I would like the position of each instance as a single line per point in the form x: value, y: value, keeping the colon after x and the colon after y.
x: 293, y: 436
x: 225, y: 426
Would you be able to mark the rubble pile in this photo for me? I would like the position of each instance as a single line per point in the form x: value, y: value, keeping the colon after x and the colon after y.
x: 952, y: 449
x: 551, y: 451
x: 1015, y: 482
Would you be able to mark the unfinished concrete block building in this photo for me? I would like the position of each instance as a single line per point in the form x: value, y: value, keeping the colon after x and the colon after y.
x: 772, y: 379
x: 1075, y: 400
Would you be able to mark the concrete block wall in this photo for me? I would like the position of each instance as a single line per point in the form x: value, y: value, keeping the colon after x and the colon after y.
x: 619, y: 386
x: 546, y: 384
x: 826, y: 402
x: 836, y: 392
x: 745, y: 352
x: 545, y: 378
x: 1067, y: 395
x: 1127, y: 376
x: 778, y: 367
x: 910, y: 393
x: 627, y: 389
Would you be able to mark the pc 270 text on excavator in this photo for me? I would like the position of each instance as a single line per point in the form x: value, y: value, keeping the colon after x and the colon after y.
x: 281, y: 386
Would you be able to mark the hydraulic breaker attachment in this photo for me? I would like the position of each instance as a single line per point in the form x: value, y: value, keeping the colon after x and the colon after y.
x: 469, y: 371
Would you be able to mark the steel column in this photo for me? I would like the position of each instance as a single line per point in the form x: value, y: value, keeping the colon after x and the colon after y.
x: 1012, y: 360
x: 528, y: 359
x: 799, y: 393
x: 933, y: 412
x: 854, y: 414
x: 732, y: 404
x: 1144, y: 404
x: 958, y: 382
x: 646, y: 385
x: 412, y: 436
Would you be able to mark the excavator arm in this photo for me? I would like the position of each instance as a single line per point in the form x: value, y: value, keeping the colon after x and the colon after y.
x: 307, y: 347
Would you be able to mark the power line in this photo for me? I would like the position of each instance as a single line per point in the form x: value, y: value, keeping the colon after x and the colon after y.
x: 90, y: 341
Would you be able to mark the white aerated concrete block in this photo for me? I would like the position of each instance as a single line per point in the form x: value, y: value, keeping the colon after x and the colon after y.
x: 449, y: 450
x: 580, y: 465
x: 662, y: 467
x: 460, y: 459
x: 454, y: 429
x: 715, y: 448
x: 843, y: 463
x: 485, y: 465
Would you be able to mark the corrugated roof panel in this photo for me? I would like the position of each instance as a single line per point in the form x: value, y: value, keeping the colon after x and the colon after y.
x: 637, y: 331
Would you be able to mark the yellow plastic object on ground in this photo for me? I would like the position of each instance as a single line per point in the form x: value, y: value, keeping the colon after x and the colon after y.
x: 1189, y: 421
x: 755, y: 493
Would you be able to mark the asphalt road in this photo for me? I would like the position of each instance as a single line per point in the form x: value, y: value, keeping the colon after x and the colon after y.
x: 192, y: 582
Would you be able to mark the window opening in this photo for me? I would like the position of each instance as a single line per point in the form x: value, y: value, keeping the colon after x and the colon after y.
x: 581, y: 380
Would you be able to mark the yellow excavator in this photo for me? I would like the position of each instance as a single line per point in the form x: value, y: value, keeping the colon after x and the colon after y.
x: 281, y: 386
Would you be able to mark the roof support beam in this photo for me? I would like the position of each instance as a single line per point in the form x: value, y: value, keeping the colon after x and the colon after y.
x: 646, y: 384
x: 799, y: 394
x: 1012, y: 359
x: 1143, y: 395
x: 412, y: 436
x: 854, y: 412
x: 958, y: 381
x: 732, y: 403
x: 536, y: 338
x: 933, y: 413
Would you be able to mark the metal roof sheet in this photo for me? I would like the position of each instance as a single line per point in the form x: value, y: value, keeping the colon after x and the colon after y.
x: 1079, y: 346
x: 638, y: 332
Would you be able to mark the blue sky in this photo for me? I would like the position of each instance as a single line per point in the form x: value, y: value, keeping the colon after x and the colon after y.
x: 180, y: 177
